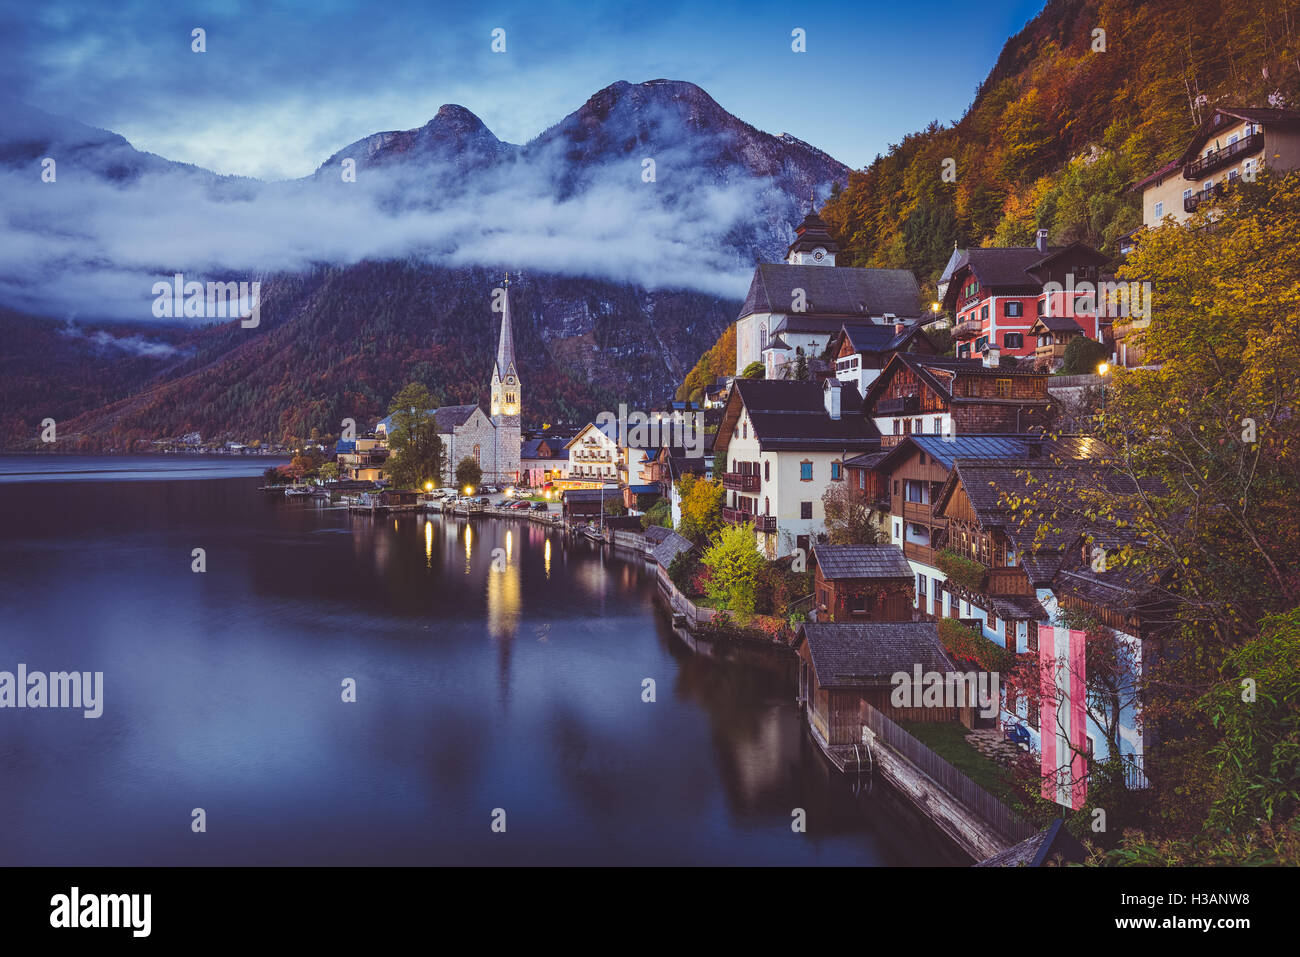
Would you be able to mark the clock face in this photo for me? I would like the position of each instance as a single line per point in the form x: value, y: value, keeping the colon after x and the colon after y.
x: 818, y: 254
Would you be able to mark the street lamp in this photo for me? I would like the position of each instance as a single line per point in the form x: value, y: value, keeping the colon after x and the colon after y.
x: 1103, y: 368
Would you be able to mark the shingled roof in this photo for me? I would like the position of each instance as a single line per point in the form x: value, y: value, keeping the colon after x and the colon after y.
x: 790, y: 415
x: 861, y: 561
x: 448, y: 418
x: 833, y: 290
x: 668, y: 549
x: 987, y: 483
x: 867, y: 654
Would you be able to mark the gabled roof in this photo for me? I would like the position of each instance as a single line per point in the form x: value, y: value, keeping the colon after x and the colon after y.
x: 532, y: 449
x: 448, y: 418
x: 669, y: 548
x: 987, y: 484
x: 868, y: 654
x: 864, y: 337
x: 940, y: 373
x: 861, y: 561
x: 833, y: 290
x: 1012, y: 267
x: 1250, y: 114
x: 790, y: 415
x: 589, y: 427
x: 1057, y: 324
x: 1001, y: 266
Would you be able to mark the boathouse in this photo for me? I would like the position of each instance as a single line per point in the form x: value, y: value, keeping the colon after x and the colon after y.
x: 581, y: 505
x: 843, y: 665
x: 862, y: 583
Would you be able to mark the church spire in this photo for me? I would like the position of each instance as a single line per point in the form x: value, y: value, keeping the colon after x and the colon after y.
x: 506, y: 346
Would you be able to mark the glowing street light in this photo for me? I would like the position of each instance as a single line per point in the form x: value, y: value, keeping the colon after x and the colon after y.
x: 1103, y: 368
x: 428, y: 486
x: 469, y: 490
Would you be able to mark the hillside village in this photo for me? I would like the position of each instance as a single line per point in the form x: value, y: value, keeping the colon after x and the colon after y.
x: 911, y: 475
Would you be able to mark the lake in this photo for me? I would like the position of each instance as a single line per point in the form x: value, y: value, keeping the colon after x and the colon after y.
x: 498, y: 672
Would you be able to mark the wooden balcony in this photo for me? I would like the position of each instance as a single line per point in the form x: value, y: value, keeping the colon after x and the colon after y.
x: 1224, y: 157
x: 967, y: 330
x: 1190, y: 203
x: 1009, y: 581
x: 1053, y: 350
x: 903, y: 405
x: 738, y: 516
x: 918, y: 511
x: 920, y: 553
x: 740, y: 482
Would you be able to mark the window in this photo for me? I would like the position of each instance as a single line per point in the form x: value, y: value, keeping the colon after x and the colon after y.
x: 862, y: 479
x: 767, y: 471
x: 744, y: 430
x: 920, y: 586
x: 1042, y: 307
x: 805, y: 510
x: 1015, y: 309
x: 1159, y: 210
x: 1004, y: 388
x: 1187, y: 194
x: 922, y: 456
x: 898, y: 529
x: 805, y: 471
x: 835, y: 471
x: 859, y: 604
x: 1233, y: 138
x: 895, y: 486
x: 767, y: 506
x: 984, y: 313
x: 963, y: 352
x: 981, y: 343
x: 1013, y: 340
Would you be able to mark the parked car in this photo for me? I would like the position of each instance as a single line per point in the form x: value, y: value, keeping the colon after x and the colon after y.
x: 540, y: 506
x: 488, y: 488
x: 484, y: 500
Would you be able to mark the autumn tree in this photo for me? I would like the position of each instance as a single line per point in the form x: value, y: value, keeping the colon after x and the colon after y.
x: 701, y: 507
x: 850, y: 519
x: 415, y: 456
x: 734, y: 566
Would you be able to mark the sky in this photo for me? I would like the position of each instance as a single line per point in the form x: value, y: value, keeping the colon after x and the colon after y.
x: 283, y: 85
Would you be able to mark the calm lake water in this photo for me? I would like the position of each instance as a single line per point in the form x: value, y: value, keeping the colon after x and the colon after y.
x: 478, y: 688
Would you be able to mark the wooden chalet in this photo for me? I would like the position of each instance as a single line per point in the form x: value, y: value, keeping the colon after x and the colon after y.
x: 917, y: 395
x: 860, y: 350
x: 843, y: 665
x: 1054, y: 333
x: 861, y: 583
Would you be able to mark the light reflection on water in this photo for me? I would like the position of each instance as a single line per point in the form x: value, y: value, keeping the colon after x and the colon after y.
x: 477, y: 687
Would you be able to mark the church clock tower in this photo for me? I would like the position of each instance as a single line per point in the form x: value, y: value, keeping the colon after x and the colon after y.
x: 507, y: 397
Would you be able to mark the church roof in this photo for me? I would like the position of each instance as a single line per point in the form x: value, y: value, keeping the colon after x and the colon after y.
x: 833, y: 291
x: 448, y: 418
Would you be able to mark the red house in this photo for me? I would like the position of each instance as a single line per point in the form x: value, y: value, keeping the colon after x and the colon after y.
x: 997, y: 294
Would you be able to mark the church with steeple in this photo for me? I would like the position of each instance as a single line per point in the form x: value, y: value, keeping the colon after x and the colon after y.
x: 493, y: 441
x: 507, y: 397
x: 794, y: 307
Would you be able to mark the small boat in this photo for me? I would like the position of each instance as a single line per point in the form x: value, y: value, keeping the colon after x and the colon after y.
x: 295, y: 491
